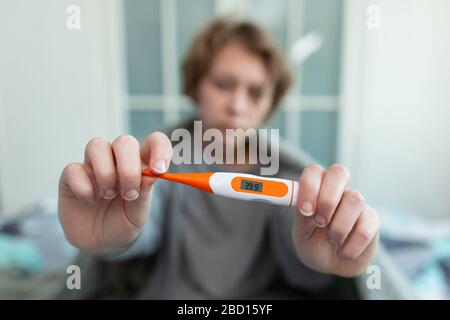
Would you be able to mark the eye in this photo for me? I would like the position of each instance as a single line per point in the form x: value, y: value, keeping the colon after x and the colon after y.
x: 256, y: 93
x: 223, y: 84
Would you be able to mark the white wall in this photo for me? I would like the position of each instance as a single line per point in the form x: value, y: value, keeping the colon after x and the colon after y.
x: 58, y: 88
x: 395, y: 123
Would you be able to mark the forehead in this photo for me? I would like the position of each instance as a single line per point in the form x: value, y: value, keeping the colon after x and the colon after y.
x: 234, y: 60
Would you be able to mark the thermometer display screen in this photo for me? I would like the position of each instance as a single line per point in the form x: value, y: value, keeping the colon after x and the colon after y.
x: 251, y: 185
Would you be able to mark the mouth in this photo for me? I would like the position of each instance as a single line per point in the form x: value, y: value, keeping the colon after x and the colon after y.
x: 232, y: 125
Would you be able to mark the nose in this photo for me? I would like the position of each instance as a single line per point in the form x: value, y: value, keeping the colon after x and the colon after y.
x: 238, y: 103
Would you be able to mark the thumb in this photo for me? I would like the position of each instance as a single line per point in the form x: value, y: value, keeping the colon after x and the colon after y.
x: 303, y: 227
x: 156, y: 154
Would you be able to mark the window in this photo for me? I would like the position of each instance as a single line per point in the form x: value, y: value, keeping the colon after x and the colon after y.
x: 159, y: 31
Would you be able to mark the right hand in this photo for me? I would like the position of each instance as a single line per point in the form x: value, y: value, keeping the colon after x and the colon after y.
x: 104, y: 202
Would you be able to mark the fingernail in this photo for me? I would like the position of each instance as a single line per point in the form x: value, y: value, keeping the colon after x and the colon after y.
x: 160, y: 166
x: 109, y: 194
x: 319, y: 221
x: 131, y: 195
x: 307, y: 208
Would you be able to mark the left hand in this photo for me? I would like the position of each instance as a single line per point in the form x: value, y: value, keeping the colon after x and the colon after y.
x: 335, y: 231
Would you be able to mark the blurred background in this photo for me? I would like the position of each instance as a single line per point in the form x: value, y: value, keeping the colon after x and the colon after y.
x: 371, y: 91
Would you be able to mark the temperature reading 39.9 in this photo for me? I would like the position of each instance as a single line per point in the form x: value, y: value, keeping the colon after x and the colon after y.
x: 251, y: 185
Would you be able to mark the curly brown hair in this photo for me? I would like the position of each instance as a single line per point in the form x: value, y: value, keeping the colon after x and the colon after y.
x: 225, y: 30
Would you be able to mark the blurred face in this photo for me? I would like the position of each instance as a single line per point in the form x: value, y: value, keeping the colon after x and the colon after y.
x: 237, y: 92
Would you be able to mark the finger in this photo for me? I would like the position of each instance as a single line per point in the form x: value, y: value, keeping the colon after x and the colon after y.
x: 99, y: 156
x: 334, y: 182
x: 365, y: 231
x: 126, y: 151
x: 309, y: 186
x: 302, y: 228
x: 76, y: 182
x: 347, y: 213
x: 157, y: 152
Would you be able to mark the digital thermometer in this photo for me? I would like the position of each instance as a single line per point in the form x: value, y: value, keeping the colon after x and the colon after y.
x: 241, y: 186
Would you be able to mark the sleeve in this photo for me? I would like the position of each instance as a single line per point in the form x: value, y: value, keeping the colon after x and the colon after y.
x: 294, y: 271
x: 149, y: 239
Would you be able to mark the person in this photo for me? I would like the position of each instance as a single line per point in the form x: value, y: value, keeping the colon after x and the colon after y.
x: 205, y: 246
